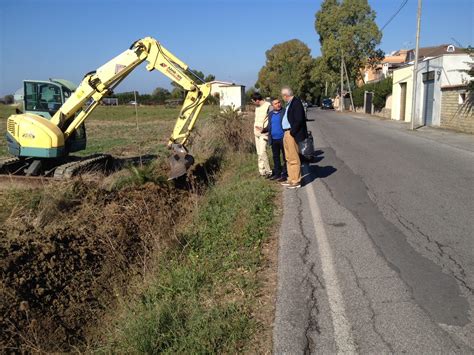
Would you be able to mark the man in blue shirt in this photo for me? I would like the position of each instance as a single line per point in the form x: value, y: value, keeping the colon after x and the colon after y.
x: 275, y: 139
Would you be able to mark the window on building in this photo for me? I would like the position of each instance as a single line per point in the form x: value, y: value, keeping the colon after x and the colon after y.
x: 430, y: 75
x: 462, y: 98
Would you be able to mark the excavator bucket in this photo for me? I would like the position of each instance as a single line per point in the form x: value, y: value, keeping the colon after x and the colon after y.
x: 180, y: 161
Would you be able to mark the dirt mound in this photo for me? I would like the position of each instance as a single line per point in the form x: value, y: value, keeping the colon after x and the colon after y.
x: 63, y: 263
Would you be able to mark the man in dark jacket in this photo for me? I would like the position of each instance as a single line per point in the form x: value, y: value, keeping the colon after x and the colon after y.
x: 275, y: 140
x: 294, y: 126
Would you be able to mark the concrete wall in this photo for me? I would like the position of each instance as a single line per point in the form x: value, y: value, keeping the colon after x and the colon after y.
x: 400, y: 76
x: 455, y: 115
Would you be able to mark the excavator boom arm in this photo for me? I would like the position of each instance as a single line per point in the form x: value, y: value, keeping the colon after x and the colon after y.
x: 101, y: 82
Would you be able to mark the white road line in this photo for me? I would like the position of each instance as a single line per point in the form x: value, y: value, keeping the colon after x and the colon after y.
x: 342, y: 328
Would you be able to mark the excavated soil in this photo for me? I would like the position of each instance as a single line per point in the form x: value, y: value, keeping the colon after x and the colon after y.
x: 64, y: 262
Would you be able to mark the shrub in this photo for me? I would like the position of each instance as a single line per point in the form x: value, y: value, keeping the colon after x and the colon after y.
x: 381, y: 90
x: 232, y: 130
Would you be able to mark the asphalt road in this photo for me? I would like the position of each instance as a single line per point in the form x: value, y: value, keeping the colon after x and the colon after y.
x: 377, y: 248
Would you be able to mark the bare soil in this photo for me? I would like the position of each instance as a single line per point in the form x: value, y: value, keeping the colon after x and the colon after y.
x: 63, y: 263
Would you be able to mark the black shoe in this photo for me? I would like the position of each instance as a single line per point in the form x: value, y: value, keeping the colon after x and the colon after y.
x: 274, y: 177
x: 282, y: 178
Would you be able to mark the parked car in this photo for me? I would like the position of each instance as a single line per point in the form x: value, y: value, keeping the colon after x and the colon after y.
x: 305, y: 106
x: 326, y: 104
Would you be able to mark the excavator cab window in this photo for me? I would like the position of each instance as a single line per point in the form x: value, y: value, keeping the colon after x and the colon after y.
x: 43, y: 98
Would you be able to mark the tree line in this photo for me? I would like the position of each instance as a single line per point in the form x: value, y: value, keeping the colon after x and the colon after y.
x: 347, y: 30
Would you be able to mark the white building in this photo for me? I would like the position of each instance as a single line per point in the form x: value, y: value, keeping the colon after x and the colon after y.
x: 230, y: 94
x: 433, y: 73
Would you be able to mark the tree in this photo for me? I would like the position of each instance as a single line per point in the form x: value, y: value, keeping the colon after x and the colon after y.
x: 160, y: 95
x: 209, y: 78
x: 248, y: 94
x: 470, y: 85
x: 178, y: 92
x: 348, y: 29
x: 288, y: 63
x: 8, y: 99
x: 381, y: 90
x: 125, y: 97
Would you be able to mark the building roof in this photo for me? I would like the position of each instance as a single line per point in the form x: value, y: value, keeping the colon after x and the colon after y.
x: 436, y: 51
x: 395, y: 59
x: 421, y: 60
x: 220, y: 82
x: 231, y: 85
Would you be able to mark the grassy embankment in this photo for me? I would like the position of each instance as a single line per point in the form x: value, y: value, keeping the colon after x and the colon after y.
x: 205, y: 291
x: 204, y: 295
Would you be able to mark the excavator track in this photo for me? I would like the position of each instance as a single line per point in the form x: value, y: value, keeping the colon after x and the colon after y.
x: 98, y: 162
x: 13, y: 166
x: 13, y: 170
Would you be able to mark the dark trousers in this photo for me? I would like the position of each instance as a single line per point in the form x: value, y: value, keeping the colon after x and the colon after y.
x: 277, y: 149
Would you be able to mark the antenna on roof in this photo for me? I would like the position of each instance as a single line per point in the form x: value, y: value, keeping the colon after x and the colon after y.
x: 457, y: 42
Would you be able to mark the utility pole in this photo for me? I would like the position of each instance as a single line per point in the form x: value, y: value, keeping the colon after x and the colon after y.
x: 326, y: 90
x: 341, y: 98
x: 415, y: 68
x: 136, y: 107
x: 349, y: 86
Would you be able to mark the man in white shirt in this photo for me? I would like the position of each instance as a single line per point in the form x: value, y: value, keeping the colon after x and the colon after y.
x: 261, y: 139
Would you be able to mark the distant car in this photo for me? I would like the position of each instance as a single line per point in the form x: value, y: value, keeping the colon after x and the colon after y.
x: 305, y: 106
x: 326, y: 104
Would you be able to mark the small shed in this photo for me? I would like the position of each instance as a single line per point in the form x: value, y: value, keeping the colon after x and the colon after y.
x: 230, y: 94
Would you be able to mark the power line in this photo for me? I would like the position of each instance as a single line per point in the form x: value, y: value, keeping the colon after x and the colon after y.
x: 395, y: 14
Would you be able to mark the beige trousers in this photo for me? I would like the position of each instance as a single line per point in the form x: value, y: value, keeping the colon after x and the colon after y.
x: 261, y: 145
x: 293, y: 163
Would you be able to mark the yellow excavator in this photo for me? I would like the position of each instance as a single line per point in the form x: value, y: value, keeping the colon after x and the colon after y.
x: 43, y: 136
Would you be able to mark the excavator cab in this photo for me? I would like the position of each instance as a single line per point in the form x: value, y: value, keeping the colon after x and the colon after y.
x: 45, y: 98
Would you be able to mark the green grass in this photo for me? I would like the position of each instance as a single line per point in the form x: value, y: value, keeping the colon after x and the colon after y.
x: 202, y: 297
x: 18, y: 198
x: 5, y: 112
x: 113, y: 129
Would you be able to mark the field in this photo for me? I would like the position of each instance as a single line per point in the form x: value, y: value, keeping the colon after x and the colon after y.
x: 134, y: 263
x: 117, y: 130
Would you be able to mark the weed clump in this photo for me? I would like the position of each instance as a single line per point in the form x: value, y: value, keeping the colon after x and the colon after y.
x: 229, y: 131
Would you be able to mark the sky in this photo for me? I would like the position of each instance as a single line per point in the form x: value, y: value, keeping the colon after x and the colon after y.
x: 42, y: 39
